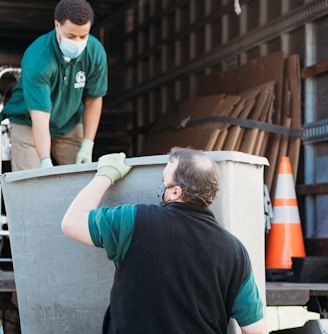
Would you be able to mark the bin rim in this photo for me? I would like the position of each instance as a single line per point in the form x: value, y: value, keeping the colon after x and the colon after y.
x: 217, y: 156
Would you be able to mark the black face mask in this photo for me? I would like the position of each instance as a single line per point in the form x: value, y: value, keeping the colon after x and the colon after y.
x: 160, y: 194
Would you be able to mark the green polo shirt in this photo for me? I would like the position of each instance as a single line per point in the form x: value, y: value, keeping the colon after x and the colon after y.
x: 51, y: 84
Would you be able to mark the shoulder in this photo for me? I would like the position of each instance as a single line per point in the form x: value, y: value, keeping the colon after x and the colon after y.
x: 94, y: 46
x: 40, y: 53
x: 113, y: 213
x: 148, y: 210
x: 234, y: 250
x: 94, y: 56
x: 40, y: 45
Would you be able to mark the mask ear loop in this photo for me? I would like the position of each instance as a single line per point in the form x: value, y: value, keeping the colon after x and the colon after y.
x: 59, y: 30
x: 60, y: 39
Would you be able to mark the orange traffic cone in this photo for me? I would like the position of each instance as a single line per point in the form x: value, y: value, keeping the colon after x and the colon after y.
x: 285, y: 238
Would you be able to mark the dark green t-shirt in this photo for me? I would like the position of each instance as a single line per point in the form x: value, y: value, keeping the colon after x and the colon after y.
x: 51, y: 84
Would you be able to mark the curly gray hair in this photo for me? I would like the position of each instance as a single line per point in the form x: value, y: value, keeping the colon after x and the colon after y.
x: 196, y: 174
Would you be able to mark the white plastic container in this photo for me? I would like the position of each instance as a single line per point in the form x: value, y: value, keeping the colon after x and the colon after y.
x: 64, y: 286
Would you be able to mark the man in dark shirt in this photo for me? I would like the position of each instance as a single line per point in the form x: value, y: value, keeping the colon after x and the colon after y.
x: 178, y: 270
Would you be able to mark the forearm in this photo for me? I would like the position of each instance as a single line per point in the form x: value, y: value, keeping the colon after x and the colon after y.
x: 75, y: 221
x: 259, y: 327
x: 111, y: 167
x: 41, y: 132
x: 91, y: 117
x: 90, y: 196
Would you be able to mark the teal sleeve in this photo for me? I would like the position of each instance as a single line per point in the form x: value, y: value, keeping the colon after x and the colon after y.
x: 112, y: 229
x: 248, y: 306
x: 36, y: 89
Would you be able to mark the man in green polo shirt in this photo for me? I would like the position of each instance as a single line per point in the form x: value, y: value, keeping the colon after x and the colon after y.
x: 55, y: 108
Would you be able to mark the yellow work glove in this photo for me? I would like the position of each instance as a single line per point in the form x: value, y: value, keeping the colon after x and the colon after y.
x: 113, y: 166
x: 84, y: 155
x: 46, y: 162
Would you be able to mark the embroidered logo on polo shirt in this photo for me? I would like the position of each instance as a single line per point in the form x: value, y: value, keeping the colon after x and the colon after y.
x: 80, y: 79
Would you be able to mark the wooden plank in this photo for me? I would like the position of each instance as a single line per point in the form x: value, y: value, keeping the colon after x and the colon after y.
x: 258, y: 107
x: 242, y: 110
x: 281, y: 293
x: 248, y: 142
x: 273, y: 68
x: 218, y: 83
x: 314, y: 70
x: 265, y: 93
x: 198, y: 107
x: 155, y: 143
x: 263, y: 136
x: 7, y: 281
x: 261, y: 70
x: 205, y: 106
x: 287, y: 98
x: 199, y: 137
x: 212, y: 140
x: 233, y: 139
x: 263, y: 148
x: 260, y: 113
x: 267, y: 116
x: 239, y: 138
x: 249, y: 105
x: 282, y: 151
x: 284, y: 139
x: 312, y: 189
x: 293, y: 75
x: 236, y: 137
x: 271, y: 154
x: 7, y: 286
x: 260, y: 144
x: 221, y: 140
x: 278, y: 297
x: 240, y: 106
x: 229, y: 107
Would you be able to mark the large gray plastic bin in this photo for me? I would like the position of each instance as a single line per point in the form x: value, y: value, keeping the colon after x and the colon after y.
x: 63, y: 286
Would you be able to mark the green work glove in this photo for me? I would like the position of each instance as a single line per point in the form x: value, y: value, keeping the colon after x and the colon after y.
x: 46, y: 162
x: 85, y: 154
x: 113, y: 166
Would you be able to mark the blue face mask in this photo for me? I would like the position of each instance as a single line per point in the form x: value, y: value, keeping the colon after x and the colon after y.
x: 72, y: 49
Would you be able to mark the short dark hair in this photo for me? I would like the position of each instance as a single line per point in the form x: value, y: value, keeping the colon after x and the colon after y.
x: 77, y: 11
x: 196, y: 174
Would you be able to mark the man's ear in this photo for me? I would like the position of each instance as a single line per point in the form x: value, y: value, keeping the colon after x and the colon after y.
x: 176, y: 193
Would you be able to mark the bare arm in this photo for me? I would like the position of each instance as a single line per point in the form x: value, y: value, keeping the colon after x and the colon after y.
x: 259, y: 327
x: 91, y: 116
x: 75, y: 221
x: 41, y: 132
x: 111, y: 167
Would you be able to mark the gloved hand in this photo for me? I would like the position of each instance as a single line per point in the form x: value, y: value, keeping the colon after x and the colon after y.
x: 85, y: 153
x: 46, y: 162
x: 113, y: 166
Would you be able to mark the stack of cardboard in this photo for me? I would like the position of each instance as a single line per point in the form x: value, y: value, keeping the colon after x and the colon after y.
x: 255, y: 109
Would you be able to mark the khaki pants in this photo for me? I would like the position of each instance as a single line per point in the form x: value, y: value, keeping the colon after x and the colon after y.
x: 24, y: 156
